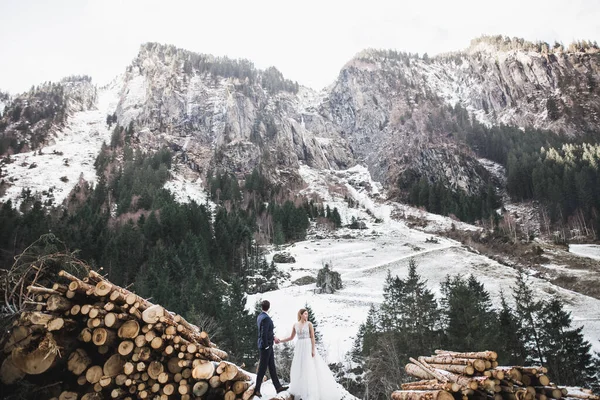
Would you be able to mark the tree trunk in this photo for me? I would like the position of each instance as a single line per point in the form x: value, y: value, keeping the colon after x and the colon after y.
x: 478, y: 364
x: 487, y: 355
x: 457, y: 369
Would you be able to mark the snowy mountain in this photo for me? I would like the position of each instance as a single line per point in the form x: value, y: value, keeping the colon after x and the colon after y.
x: 393, y: 112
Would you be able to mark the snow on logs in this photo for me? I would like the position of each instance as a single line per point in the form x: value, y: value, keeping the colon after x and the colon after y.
x: 91, y: 339
x: 449, y: 375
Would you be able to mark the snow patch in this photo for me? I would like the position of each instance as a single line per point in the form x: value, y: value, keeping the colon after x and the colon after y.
x: 586, y: 250
x: 52, y: 171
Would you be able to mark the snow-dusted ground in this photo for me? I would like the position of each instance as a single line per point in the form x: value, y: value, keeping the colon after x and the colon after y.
x: 586, y: 250
x: 184, y: 188
x: 363, y: 259
x: 53, y: 173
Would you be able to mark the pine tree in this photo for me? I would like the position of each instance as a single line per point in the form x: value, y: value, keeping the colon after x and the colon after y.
x: 392, y: 300
x: 510, y: 348
x: 239, y: 330
x: 527, y: 311
x: 313, y: 319
x: 566, y: 352
x: 419, y: 314
x: 366, y: 338
x: 470, y: 322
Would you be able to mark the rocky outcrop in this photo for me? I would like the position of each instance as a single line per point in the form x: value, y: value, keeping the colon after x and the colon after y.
x: 328, y: 281
x: 283, y: 258
x: 224, y: 113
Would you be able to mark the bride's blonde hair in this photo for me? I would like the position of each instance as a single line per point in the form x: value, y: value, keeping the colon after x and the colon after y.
x: 302, y: 310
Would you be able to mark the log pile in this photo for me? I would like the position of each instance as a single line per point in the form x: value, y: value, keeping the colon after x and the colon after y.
x: 90, y: 339
x: 449, y: 375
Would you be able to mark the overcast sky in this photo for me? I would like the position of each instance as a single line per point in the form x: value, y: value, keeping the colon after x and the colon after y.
x: 309, y: 40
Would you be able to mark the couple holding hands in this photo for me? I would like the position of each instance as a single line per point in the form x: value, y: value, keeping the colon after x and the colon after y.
x: 310, y: 377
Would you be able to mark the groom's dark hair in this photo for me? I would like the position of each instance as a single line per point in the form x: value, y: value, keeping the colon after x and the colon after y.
x: 265, y: 305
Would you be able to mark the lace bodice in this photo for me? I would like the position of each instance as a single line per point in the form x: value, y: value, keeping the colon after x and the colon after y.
x: 302, y: 331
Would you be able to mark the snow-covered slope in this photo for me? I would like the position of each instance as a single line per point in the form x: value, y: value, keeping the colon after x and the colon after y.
x: 364, y: 257
x: 52, y: 171
x: 586, y: 250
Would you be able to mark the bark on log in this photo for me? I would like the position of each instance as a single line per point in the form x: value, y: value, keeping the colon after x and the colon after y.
x: 233, y: 373
x: 240, y: 387
x: 457, y: 369
x: 418, y: 372
x: 36, y: 318
x: 487, y: 355
x: 421, y: 395
x: 431, y: 384
x: 478, y: 364
x: 248, y: 393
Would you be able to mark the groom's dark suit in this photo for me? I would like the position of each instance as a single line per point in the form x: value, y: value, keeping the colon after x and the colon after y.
x: 265, y: 346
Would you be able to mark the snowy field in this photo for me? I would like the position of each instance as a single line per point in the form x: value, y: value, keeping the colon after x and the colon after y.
x: 55, y: 172
x: 586, y: 250
x: 364, y: 257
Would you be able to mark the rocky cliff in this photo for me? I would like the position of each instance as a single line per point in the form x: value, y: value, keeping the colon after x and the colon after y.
x: 394, y: 112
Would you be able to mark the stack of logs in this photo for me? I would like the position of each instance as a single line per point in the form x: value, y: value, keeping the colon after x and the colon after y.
x: 451, y: 375
x: 100, y: 341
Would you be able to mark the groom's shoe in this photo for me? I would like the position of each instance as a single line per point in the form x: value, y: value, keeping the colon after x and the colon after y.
x: 282, y: 389
x: 257, y: 394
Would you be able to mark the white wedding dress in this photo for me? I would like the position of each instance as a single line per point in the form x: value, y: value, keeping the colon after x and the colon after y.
x: 310, y: 377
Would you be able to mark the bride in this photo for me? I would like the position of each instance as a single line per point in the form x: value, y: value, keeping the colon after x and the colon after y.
x: 310, y: 377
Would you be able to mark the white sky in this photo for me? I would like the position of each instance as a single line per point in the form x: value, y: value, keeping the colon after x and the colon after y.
x: 309, y: 41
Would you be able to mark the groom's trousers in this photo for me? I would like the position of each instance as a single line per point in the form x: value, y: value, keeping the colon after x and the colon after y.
x: 267, y: 359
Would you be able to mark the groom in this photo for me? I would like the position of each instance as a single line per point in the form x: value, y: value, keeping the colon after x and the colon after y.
x: 266, y: 339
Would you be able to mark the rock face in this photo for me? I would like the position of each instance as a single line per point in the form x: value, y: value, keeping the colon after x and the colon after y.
x: 387, y: 110
x: 224, y: 113
x: 393, y: 108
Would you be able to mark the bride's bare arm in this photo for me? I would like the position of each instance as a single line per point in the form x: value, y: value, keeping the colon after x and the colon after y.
x: 291, y: 336
x: 312, y: 337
